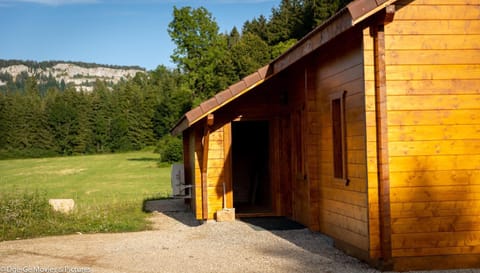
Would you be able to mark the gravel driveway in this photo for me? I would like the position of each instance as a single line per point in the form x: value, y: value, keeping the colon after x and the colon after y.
x: 179, y: 244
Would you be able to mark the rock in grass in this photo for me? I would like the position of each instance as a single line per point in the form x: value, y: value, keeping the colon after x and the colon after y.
x: 62, y: 205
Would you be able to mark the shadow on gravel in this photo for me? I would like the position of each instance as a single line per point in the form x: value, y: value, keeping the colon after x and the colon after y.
x: 271, y: 223
x: 291, y: 231
x: 174, y: 208
x: 313, y: 242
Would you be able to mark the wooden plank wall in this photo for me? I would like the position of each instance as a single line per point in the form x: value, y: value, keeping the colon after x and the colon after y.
x: 282, y: 174
x: 433, y: 85
x: 340, y: 210
x: 371, y: 149
x: 295, y: 134
x: 218, y: 172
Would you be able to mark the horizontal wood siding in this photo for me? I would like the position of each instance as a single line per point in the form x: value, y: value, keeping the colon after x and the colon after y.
x: 433, y: 86
x: 215, y: 174
x: 341, y: 210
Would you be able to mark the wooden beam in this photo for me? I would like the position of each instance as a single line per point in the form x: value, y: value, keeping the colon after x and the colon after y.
x: 378, y: 34
x: 389, y: 14
x: 227, y: 149
x: 358, y: 12
x: 206, y: 141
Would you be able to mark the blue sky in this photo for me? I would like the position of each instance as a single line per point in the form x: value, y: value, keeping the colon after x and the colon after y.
x: 124, y: 32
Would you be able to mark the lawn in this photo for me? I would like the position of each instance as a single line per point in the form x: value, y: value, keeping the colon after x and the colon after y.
x: 108, y: 191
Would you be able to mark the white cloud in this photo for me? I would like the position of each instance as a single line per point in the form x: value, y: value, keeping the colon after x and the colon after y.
x: 243, y: 1
x: 7, y: 3
x: 204, y: 2
x: 50, y: 2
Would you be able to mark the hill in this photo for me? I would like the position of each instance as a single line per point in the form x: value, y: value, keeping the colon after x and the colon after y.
x: 81, y: 75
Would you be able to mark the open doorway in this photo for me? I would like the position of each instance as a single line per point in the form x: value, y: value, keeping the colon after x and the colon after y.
x: 250, y: 158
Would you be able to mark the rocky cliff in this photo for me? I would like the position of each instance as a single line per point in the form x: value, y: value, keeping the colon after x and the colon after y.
x: 81, y: 76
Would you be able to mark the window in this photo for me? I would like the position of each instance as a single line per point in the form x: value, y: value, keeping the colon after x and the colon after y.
x: 339, y: 136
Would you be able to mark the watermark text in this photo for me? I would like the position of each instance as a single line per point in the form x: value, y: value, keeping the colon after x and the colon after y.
x: 44, y: 269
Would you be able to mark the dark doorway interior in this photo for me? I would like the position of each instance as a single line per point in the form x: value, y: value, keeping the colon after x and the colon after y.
x: 272, y: 223
x: 251, y: 181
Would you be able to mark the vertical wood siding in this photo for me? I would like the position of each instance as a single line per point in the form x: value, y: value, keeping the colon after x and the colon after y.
x: 433, y: 85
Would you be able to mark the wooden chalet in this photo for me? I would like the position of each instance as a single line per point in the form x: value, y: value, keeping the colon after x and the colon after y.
x: 367, y: 130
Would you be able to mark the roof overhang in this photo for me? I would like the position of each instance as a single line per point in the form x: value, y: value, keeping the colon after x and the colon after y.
x: 211, y: 105
x: 350, y: 16
x: 363, y: 9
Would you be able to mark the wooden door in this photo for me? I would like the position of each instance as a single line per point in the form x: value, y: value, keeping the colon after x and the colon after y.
x: 300, y: 189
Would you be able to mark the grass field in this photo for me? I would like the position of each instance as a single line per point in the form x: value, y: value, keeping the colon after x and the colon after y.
x: 108, y: 191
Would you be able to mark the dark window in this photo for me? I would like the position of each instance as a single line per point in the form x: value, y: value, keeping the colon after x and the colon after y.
x: 339, y: 136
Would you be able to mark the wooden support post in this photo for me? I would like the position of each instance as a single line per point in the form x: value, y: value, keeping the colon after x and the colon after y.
x: 378, y: 34
x: 206, y: 142
x: 227, y: 149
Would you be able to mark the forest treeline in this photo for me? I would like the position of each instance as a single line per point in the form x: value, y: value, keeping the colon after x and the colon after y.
x: 131, y: 115
x: 38, y: 121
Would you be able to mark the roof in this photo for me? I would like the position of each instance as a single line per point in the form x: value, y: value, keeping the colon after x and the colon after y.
x: 221, y: 98
x: 354, y: 13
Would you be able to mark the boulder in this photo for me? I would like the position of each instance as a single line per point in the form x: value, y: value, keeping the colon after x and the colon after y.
x: 62, y: 205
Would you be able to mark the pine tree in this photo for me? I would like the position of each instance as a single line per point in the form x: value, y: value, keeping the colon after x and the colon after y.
x: 6, y: 103
x: 101, y: 117
x: 82, y: 132
x: 258, y: 26
x: 63, y: 119
x: 174, y: 99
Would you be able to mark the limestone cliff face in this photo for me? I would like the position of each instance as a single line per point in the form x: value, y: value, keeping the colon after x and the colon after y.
x: 82, y: 77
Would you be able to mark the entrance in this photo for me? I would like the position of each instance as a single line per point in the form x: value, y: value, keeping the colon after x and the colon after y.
x: 250, y: 158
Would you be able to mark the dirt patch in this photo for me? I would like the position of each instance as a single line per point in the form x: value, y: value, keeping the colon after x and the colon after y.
x: 179, y: 243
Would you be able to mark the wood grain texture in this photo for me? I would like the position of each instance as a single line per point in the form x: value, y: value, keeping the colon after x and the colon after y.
x: 465, y: 260
x: 342, y: 210
x: 433, y: 105
x: 433, y: 85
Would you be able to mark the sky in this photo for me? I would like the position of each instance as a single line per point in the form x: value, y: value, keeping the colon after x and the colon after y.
x: 122, y: 32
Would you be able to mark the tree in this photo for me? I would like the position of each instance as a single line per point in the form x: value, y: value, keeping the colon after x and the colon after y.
x: 249, y: 54
x: 174, y: 99
x: 82, y: 129
x: 101, y: 117
x: 258, y: 26
x: 68, y: 114
x: 317, y: 11
x: 281, y: 47
x: 200, y: 50
x: 286, y: 22
x: 23, y: 122
x: 233, y: 38
x: 292, y: 20
x: 7, y: 119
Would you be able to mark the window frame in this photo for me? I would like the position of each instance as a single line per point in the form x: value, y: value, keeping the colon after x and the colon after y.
x: 339, y: 137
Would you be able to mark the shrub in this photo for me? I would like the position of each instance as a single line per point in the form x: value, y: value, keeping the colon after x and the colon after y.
x: 170, y: 149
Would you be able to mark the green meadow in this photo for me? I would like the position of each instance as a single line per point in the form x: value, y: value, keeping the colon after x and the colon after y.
x: 108, y: 191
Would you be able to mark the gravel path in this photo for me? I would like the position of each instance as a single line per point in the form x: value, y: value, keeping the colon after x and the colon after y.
x: 179, y: 244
